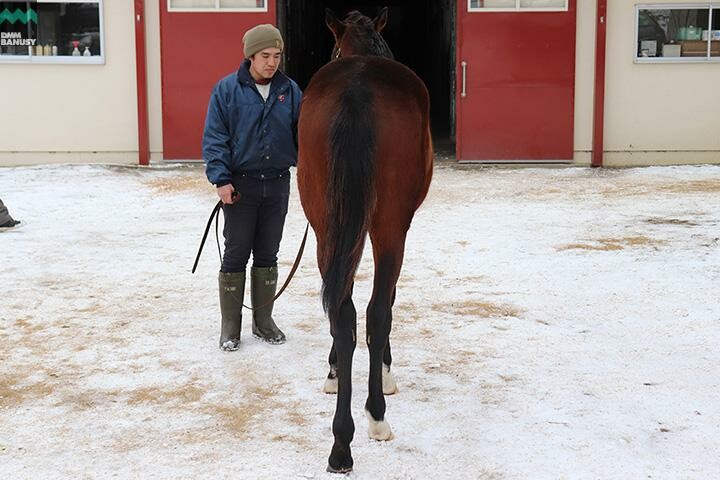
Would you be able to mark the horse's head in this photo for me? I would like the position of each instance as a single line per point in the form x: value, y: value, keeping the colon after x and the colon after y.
x: 358, y: 34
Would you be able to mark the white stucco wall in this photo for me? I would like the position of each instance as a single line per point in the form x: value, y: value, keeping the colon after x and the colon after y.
x: 152, y: 40
x: 656, y: 113
x: 584, y: 80
x: 74, y: 113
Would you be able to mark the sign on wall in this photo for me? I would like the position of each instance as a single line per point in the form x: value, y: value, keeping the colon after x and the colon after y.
x: 48, y: 31
x: 15, y: 33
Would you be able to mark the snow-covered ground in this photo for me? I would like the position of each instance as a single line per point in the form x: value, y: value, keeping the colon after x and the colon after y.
x: 549, y: 324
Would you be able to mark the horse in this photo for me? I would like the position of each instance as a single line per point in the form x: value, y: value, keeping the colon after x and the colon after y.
x: 365, y: 162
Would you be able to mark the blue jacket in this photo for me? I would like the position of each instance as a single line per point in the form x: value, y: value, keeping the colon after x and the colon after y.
x: 246, y: 135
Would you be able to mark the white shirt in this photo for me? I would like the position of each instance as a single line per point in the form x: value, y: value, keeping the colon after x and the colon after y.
x: 264, y: 90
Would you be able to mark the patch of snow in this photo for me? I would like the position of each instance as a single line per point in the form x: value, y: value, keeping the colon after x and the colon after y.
x: 549, y: 323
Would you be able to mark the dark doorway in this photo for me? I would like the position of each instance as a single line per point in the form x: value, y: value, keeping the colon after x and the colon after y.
x: 420, y: 33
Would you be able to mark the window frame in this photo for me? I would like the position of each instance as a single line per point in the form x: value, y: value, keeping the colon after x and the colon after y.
x: 518, y: 8
x: 32, y: 59
x: 710, y: 6
x: 217, y: 9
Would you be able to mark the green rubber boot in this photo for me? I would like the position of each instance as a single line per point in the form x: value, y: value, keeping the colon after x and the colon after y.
x: 232, y: 291
x: 263, y: 283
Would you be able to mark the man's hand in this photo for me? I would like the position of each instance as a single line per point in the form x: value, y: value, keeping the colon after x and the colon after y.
x: 226, y: 193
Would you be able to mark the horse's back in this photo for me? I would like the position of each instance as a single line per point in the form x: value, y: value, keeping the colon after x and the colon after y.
x: 398, y: 95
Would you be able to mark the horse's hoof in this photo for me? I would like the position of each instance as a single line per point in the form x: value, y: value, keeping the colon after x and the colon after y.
x: 389, y: 386
x: 338, y: 470
x: 378, y: 430
x: 340, y: 460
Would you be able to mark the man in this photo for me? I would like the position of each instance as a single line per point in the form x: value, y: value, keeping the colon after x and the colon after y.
x: 249, y: 145
x: 6, y: 221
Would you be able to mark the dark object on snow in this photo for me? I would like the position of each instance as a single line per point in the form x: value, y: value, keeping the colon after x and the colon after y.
x: 6, y: 221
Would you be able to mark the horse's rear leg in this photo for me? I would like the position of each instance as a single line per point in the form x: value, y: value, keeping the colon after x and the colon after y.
x: 379, y: 322
x: 389, y: 386
x: 343, y: 327
x: 331, y: 382
x: 388, y: 380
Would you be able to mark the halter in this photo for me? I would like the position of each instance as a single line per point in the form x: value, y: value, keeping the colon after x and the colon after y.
x: 338, y: 54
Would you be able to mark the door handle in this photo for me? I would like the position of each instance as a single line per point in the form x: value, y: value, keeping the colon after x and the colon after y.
x: 463, y: 93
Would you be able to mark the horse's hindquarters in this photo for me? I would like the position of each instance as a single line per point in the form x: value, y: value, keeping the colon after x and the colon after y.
x: 404, y: 149
x: 312, y: 172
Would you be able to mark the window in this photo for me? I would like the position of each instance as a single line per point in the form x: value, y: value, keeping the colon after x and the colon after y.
x: 677, y: 33
x: 217, y: 5
x: 517, y: 5
x: 45, y: 31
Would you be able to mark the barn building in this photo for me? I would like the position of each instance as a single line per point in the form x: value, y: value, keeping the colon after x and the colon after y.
x: 602, y: 82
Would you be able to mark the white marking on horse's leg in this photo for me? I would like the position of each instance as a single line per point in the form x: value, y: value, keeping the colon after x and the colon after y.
x: 378, y: 430
x: 331, y: 385
x: 331, y: 382
x: 230, y: 346
x: 388, y: 380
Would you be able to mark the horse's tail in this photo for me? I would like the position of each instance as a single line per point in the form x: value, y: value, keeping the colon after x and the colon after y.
x: 351, y: 192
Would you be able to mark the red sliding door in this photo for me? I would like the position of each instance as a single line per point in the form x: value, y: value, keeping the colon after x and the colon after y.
x: 200, y: 42
x: 516, y: 80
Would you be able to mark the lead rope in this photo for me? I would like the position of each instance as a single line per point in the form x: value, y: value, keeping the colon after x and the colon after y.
x: 215, y: 214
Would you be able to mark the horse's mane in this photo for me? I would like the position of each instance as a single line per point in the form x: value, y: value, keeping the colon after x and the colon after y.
x: 357, y: 18
x: 364, y: 27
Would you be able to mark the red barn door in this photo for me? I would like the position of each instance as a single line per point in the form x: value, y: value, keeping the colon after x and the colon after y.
x: 200, y: 42
x: 516, y: 80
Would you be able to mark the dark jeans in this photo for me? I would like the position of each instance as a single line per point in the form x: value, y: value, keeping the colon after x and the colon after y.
x: 255, y: 222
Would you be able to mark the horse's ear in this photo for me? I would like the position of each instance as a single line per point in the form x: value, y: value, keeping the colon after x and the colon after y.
x: 335, y: 25
x: 381, y: 20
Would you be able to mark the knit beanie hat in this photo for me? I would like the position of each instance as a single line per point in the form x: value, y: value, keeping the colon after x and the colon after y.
x: 261, y: 37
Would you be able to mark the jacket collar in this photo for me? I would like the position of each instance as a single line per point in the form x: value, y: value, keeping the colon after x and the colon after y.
x: 279, y: 80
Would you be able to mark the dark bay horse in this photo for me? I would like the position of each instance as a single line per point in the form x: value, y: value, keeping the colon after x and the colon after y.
x: 364, y: 167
